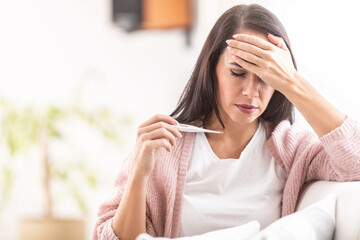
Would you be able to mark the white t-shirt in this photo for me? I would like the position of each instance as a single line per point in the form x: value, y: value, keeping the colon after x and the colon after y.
x: 223, y: 193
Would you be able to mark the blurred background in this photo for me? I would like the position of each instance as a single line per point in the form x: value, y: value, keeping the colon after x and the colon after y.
x: 78, y: 76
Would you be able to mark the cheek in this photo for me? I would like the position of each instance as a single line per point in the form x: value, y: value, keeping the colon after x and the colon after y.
x: 225, y: 90
x: 267, y: 94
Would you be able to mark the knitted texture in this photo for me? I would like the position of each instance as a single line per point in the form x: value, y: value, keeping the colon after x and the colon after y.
x: 303, y: 156
x: 164, y: 192
x: 306, y: 158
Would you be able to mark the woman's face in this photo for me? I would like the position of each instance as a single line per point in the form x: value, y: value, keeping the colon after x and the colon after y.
x: 242, y: 96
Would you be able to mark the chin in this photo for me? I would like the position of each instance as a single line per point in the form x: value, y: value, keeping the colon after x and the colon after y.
x: 244, y: 119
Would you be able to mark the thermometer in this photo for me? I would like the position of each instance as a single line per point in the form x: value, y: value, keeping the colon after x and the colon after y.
x: 189, y: 128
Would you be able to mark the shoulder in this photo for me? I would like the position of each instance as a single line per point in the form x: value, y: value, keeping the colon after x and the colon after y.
x: 287, y: 131
x: 287, y: 139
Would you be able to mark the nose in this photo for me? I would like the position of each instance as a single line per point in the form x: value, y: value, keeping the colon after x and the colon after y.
x: 251, y: 86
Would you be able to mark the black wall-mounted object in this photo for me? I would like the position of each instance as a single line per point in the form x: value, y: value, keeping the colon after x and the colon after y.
x: 127, y: 14
x: 132, y: 15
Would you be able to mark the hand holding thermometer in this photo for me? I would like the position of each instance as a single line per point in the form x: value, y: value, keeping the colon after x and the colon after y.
x: 190, y: 128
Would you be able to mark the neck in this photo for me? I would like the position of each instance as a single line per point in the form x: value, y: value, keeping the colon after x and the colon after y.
x: 233, y: 141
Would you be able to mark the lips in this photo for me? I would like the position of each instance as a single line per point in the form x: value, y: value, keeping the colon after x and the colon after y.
x: 246, y: 108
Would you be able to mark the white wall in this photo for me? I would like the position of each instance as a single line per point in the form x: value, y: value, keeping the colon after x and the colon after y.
x: 49, y: 48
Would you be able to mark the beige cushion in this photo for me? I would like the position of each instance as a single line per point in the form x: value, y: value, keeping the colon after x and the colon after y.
x: 347, y: 208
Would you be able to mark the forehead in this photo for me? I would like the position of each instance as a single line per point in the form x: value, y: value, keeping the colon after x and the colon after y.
x: 254, y: 33
x: 225, y: 57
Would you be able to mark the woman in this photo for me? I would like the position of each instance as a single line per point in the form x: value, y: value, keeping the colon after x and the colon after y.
x: 245, y: 83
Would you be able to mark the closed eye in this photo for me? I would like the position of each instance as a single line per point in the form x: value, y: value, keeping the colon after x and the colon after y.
x: 237, y: 74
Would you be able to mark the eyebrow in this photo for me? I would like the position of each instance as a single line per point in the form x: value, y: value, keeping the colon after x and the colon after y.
x: 235, y: 64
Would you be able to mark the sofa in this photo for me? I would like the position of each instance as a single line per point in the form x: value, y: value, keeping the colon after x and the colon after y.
x: 347, y: 205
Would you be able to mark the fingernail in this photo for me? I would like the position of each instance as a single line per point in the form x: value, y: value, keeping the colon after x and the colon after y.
x: 176, y: 122
x: 235, y: 57
x: 228, y: 41
x: 236, y: 35
x: 229, y: 48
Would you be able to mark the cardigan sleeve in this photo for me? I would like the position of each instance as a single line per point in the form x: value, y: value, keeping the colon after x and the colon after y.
x: 103, y: 227
x: 342, y: 153
x: 333, y: 157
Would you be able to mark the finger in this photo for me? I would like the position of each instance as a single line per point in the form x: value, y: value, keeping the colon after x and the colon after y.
x: 277, y: 41
x: 158, y: 118
x: 158, y: 134
x: 249, y: 57
x: 157, y: 125
x: 261, y: 43
x: 245, y: 47
x: 154, y: 144
x: 245, y: 64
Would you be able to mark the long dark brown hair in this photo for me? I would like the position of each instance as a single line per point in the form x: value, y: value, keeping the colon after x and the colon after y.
x: 198, y: 99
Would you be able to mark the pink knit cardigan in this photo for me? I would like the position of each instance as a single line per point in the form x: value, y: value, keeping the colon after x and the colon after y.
x: 303, y: 156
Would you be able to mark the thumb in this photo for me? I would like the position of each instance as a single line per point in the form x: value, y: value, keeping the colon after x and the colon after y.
x: 277, y: 41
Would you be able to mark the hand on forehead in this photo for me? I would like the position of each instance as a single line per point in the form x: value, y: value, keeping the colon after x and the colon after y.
x: 260, y: 40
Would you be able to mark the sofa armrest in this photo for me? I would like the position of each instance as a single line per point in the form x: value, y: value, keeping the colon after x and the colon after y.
x: 347, y: 224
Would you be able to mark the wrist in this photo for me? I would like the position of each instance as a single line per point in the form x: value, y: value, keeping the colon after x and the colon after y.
x: 136, y: 184
x: 297, y: 86
x: 136, y: 177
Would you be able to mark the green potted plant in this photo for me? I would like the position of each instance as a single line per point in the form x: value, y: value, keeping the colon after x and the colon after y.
x: 31, y: 127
